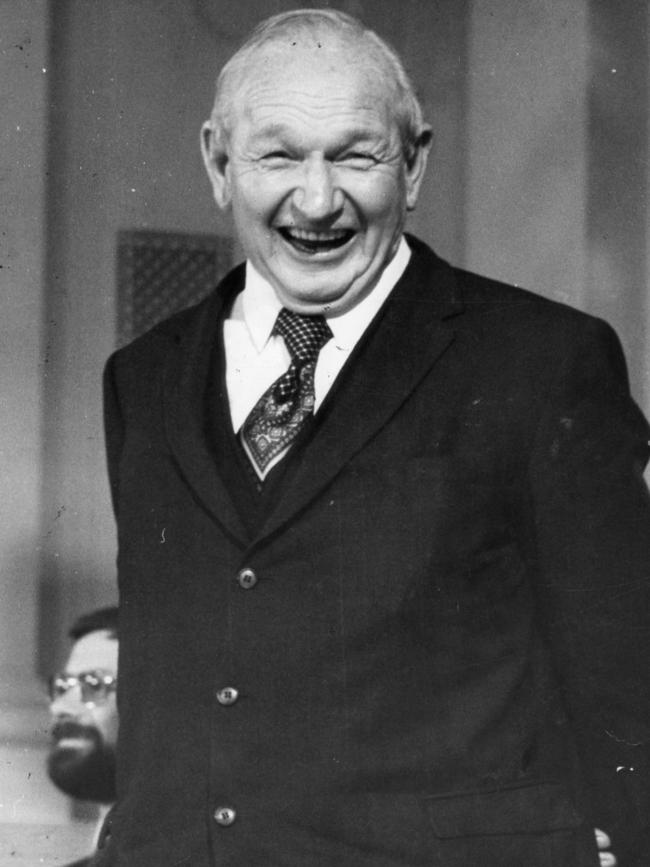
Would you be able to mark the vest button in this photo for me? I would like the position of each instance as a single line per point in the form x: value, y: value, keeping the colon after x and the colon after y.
x: 224, y: 816
x: 246, y: 579
x: 228, y: 695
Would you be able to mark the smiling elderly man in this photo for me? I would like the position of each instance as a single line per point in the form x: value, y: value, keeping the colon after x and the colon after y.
x: 383, y: 534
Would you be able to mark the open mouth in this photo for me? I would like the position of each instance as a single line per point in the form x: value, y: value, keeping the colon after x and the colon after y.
x: 76, y: 744
x: 316, y: 242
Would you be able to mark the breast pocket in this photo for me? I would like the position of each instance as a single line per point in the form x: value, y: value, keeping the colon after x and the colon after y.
x: 530, y: 825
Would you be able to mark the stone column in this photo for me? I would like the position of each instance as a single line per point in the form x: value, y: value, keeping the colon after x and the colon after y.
x: 25, y: 793
x: 527, y: 144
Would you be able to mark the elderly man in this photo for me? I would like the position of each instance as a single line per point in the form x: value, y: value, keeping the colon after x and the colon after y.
x: 84, y: 713
x: 384, y: 539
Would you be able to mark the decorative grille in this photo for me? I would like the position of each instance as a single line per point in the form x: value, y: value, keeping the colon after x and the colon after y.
x: 160, y: 273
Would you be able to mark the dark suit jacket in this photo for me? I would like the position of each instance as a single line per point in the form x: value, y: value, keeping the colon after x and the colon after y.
x: 444, y: 658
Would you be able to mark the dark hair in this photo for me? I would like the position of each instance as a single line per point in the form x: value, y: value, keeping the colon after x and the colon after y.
x: 101, y: 618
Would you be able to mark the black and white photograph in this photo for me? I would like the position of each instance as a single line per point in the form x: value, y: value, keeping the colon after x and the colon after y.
x: 325, y: 361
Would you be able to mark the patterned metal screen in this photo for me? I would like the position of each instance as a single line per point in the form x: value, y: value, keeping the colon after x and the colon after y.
x: 159, y: 273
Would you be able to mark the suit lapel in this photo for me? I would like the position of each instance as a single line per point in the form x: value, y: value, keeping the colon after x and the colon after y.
x: 409, y: 335
x: 184, y: 389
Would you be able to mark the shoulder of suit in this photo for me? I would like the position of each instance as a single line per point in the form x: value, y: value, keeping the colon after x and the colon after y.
x: 482, y: 298
x: 501, y: 315
x: 485, y: 295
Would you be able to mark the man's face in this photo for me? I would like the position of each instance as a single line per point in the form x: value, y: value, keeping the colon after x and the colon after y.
x: 84, y: 734
x: 315, y: 173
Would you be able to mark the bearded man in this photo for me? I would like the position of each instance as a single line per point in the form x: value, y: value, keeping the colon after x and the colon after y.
x: 81, y: 761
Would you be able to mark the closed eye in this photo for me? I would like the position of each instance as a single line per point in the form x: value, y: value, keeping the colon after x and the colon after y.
x: 356, y: 160
x: 276, y: 157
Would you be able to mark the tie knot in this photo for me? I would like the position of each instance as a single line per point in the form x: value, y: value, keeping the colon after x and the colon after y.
x: 303, y: 335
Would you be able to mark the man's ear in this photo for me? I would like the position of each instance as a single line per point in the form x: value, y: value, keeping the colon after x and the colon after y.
x: 416, y: 165
x: 215, y: 158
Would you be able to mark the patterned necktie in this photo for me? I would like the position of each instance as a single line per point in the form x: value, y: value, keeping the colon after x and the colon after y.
x: 277, y: 417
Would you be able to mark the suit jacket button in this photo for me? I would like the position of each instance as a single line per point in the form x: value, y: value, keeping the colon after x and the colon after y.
x: 246, y: 578
x: 227, y: 695
x: 224, y: 816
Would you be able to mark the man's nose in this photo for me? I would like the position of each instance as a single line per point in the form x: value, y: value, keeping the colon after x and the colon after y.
x: 67, y: 704
x: 317, y: 197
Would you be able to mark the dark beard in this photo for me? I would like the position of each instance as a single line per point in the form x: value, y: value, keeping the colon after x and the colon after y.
x: 88, y: 775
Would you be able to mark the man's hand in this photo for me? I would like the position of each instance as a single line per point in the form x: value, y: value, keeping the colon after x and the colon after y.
x: 607, y: 859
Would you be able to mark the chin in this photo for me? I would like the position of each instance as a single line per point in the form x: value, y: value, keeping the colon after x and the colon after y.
x: 316, y: 304
x: 321, y: 296
x: 86, y: 775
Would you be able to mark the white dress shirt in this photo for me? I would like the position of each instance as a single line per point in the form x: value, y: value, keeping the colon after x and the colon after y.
x: 255, y: 358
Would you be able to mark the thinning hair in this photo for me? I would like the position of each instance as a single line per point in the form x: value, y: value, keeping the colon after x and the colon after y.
x: 94, y: 621
x: 313, y: 24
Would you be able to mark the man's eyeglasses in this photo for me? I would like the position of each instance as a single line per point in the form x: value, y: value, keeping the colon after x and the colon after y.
x: 95, y: 686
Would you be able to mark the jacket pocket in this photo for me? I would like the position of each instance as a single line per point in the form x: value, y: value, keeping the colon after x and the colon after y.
x: 522, y: 824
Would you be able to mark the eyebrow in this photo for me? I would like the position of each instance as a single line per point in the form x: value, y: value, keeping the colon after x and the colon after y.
x: 279, y: 131
x: 271, y: 130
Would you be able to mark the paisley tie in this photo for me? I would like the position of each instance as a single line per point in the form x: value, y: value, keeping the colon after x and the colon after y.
x: 277, y: 417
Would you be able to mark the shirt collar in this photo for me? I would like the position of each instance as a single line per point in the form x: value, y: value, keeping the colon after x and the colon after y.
x: 260, y: 307
x: 260, y: 304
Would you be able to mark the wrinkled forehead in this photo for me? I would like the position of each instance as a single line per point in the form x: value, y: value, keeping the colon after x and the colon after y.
x: 96, y: 650
x: 312, y: 75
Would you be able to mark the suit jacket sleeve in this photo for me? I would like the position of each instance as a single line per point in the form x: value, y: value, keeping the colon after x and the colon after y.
x: 591, y: 544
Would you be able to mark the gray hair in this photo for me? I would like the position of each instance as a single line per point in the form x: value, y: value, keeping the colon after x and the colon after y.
x: 312, y: 23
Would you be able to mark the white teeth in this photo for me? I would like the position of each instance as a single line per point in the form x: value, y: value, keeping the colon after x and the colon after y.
x: 306, y: 235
